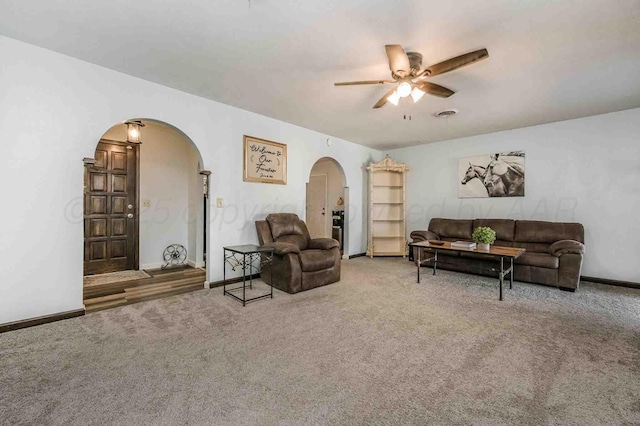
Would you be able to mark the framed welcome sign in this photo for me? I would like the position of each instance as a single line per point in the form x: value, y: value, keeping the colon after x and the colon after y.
x: 264, y: 161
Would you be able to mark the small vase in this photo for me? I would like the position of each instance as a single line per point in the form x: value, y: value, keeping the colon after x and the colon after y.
x: 483, y: 246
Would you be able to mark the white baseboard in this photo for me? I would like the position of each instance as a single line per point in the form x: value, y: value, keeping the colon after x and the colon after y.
x: 159, y: 265
x: 151, y: 265
x: 195, y: 264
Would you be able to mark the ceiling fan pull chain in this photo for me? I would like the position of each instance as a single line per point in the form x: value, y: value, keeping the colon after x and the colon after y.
x: 405, y: 108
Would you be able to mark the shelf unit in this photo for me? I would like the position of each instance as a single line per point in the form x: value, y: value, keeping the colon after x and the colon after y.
x: 387, y: 227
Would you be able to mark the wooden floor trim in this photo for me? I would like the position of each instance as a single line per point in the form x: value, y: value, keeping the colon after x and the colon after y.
x: 232, y: 281
x: 607, y: 281
x: 16, y: 325
x: 112, y: 288
x: 166, y: 283
x: 161, y: 283
x: 353, y: 256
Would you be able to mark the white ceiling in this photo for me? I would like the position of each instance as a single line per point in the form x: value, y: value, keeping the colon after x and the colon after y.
x: 549, y: 60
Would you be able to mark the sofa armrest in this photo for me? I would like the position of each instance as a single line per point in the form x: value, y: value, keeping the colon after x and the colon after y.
x: 323, y: 243
x: 566, y: 246
x: 423, y: 236
x: 283, y: 248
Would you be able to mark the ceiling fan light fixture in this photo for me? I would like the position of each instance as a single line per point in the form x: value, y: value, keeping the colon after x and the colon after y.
x: 416, y: 94
x: 405, y: 71
x: 404, y: 89
x: 394, y: 98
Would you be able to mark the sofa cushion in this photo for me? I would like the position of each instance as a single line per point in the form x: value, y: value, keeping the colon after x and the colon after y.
x: 288, y: 228
x: 452, y: 240
x: 541, y: 260
x: 423, y: 236
x: 316, y: 260
x: 566, y: 246
x: 532, y: 274
x: 451, y: 228
x: 532, y: 231
x: 297, y: 240
x: 264, y: 232
x: 533, y: 247
x: 505, y: 228
x: 281, y: 248
x: 323, y: 243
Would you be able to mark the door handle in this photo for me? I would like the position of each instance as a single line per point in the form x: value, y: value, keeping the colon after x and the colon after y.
x: 130, y: 215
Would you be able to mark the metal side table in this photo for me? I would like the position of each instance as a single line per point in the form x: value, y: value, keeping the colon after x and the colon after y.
x: 245, y: 256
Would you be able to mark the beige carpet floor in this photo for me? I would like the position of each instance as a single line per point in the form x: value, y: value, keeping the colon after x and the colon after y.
x: 376, y: 348
x: 113, y: 277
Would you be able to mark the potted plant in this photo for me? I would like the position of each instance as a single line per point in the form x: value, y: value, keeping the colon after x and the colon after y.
x: 483, y: 236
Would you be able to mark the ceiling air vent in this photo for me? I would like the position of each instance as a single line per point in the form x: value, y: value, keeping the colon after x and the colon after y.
x: 446, y: 113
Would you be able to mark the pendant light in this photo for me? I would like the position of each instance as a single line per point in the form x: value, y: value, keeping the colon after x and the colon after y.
x: 133, y: 131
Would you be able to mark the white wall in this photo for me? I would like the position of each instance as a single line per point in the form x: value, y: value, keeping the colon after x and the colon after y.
x: 585, y: 170
x: 335, y: 188
x: 54, y: 108
x: 196, y: 212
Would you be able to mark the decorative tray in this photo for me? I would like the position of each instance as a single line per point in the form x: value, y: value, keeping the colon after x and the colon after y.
x: 436, y: 242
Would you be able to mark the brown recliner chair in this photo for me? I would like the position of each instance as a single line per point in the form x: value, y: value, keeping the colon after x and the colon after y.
x: 299, y: 263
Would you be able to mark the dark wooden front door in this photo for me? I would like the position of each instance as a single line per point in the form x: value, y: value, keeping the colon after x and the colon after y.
x: 111, y: 209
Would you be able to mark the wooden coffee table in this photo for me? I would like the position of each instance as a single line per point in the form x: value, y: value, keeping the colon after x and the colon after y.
x: 495, y: 252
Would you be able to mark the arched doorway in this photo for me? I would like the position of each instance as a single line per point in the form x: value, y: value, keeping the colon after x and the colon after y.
x: 144, y: 216
x: 327, y: 201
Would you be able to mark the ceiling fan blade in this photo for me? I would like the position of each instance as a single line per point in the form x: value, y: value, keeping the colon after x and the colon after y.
x: 383, y: 100
x: 421, y: 74
x: 435, y: 89
x: 352, y: 83
x: 398, y: 60
x: 457, y: 62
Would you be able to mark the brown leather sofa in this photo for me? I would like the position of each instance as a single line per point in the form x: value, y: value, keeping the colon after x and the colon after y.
x: 299, y: 262
x: 553, y: 257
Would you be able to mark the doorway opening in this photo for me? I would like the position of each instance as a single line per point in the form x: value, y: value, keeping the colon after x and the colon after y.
x: 144, y: 217
x: 327, y: 202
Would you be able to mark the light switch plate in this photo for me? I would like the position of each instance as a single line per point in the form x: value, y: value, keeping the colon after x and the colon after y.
x: 146, y: 203
x: 219, y: 202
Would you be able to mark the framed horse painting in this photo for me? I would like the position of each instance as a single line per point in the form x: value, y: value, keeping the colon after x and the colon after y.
x: 492, y: 175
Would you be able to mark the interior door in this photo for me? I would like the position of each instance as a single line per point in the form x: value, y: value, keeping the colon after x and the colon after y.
x: 316, y: 206
x: 111, y: 209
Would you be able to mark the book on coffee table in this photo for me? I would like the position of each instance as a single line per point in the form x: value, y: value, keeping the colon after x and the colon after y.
x: 463, y: 244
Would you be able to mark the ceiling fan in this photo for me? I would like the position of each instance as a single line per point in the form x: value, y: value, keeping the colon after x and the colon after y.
x: 405, y: 71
